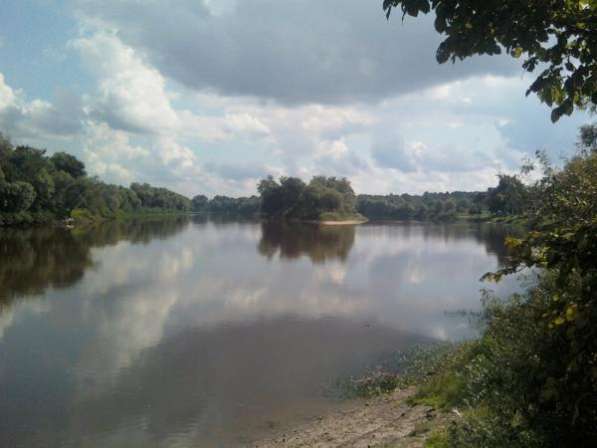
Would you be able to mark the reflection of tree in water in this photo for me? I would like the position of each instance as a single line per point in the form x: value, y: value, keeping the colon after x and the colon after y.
x: 38, y: 258
x: 140, y: 231
x: 492, y: 236
x: 319, y: 243
x: 35, y: 259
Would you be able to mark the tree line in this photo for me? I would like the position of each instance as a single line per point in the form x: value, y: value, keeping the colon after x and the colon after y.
x: 510, y: 197
x: 38, y: 188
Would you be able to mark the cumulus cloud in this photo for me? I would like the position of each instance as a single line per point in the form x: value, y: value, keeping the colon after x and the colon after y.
x: 335, y: 51
x: 208, y: 96
x: 132, y: 95
x: 24, y: 118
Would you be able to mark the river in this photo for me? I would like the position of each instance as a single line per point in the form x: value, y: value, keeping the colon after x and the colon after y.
x: 187, y: 332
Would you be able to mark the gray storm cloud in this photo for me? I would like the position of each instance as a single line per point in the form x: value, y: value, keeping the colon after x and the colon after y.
x: 303, y: 51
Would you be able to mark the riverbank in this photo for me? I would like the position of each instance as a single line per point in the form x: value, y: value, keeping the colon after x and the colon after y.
x: 81, y: 217
x: 336, y: 219
x: 396, y: 404
x: 388, y: 420
x: 348, y: 222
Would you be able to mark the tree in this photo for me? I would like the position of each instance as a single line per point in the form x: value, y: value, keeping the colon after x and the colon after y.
x: 292, y: 198
x: 555, y: 372
x: 35, y: 188
x: 271, y: 198
x: 199, y: 203
x: 5, y: 147
x: 557, y: 36
x: 44, y: 189
x: 69, y: 164
x: 588, y: 138
x: 16, y: 197
x: 509, y: 197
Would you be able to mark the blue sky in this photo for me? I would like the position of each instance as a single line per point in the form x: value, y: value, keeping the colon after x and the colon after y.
x: 208, y: 96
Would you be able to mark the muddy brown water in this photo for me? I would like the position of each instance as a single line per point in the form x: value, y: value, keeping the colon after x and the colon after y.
x: 187, y: 332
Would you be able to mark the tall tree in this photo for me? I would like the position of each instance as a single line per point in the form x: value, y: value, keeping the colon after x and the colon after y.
x: 69, y: 164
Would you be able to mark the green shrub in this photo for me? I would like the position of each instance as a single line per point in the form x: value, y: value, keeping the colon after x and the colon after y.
x: 82, y: 215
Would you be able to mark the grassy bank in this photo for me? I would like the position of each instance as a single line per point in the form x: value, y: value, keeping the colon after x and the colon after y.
x: 506, y: 389
x: 83, y: 216
x: 441, y: 374
x: 79, y: 217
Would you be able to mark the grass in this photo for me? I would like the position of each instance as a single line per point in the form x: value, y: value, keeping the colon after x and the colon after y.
x: 425, y: 366
x: 446, y: 387
x: 438, y: 439
x: 84, y: 216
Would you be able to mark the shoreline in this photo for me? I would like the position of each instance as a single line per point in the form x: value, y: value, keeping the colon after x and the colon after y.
x: 381, y: 421
x: 348, y: 222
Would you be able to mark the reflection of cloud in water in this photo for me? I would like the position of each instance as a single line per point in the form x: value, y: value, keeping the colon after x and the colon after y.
x: 206, y: 332
x: 234, y: 378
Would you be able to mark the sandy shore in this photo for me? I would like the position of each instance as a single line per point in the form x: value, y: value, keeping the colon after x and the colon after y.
x: 378, y: 422
x: 342, y: 223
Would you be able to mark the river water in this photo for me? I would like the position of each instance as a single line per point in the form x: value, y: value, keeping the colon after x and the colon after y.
x: 188, y: 332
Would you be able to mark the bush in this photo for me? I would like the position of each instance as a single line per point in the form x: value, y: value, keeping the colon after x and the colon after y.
x: 82, y: 215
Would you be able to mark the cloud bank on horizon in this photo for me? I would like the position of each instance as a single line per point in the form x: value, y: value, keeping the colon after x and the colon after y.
x: 208, y: 96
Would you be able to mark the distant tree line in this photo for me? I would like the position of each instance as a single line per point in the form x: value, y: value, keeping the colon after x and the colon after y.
x: 509, y: 197
x: 226, y: 205
x: 38, y: 188
x: 288, y: 197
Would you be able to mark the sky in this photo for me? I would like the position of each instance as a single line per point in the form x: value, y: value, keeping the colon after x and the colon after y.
x: 209, y: 96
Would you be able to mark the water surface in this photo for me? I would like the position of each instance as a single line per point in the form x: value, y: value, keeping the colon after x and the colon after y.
x: 195, y: 333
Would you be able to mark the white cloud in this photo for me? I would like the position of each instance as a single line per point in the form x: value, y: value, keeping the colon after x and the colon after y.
x: 175, y: 154
x: 145, y: 120
x: 7, y: 95
x: 38, y: 119
x: 132, y: 95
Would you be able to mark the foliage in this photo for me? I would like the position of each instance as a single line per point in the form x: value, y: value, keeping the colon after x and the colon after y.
x: 69, y: 164
x: 562, y: 310
x: 557, y: 36
x: 36, y: 188
x: 588, y: 138
x: 531, y: 380
x: 199, y: 203
x: 225, y: 205
x: 161, y: 198
x: 425, y: 207
x: 415, y: 366
x: 16, y: 196
x: 292, y: 198
x: 438, y: 439
x: 480, y: 428
x: 510, y: 197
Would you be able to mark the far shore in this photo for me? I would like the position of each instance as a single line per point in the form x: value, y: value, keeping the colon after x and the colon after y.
x: 348, y: 222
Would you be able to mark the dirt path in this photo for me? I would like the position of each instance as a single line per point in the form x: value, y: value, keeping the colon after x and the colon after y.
x: 379, y: 422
